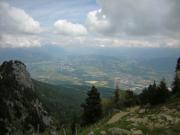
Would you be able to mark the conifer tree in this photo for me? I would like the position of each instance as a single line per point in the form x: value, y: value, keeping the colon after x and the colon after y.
x: 129, y: 94
x: 92, y: 109
x: 130, y: 99
x: 144, y: 96
x: 163, y: 92
x: 73, y: 127
x: 155, y: 94
x: 152, y: 93
x: 116, y: 96
x: 176, y: 83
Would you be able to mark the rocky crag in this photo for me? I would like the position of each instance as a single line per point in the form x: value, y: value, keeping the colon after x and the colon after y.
x: 20, y: 110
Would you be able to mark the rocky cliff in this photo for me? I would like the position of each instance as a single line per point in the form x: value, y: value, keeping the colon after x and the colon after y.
x: 20, y: 109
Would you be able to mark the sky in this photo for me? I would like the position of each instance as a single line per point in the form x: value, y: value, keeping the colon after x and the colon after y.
x: 99, y: 23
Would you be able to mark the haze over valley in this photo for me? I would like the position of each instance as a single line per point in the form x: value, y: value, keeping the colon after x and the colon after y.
x: 134, y: 67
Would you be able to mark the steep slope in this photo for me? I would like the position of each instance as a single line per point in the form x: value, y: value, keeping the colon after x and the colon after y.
x: 60, y: 101
x: 159, y: 120
x: 20, y: 109
x: 64, y: 101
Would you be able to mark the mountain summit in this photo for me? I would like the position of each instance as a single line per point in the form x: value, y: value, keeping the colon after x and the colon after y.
x: 16, y: 70
x: 20, y: 109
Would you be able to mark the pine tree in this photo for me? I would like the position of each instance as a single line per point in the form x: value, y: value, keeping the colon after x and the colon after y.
x: 163, y: 92
x: 155, y: 94
x: 129, y: 94
x: 144, y: 96
x: 73, y: 127
x: 152, y: 93
x: 74, y: 124
x: 116, y: 96
x: 176, y: 83
x: 92, y: 109
x: 130, y: 99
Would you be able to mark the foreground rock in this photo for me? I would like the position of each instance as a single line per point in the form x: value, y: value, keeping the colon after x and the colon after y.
x: 20, y: 109
x: 118, y: 131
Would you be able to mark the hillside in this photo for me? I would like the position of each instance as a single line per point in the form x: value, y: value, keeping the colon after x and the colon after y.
x: 63, y: 101
x: 160, y: 120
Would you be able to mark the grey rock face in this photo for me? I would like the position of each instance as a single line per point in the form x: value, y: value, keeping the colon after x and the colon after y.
x: 17, y: 70
x: 21, y: 74
x: 22, y: 111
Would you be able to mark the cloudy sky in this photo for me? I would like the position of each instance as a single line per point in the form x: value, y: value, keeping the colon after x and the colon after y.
x: 102, y: 23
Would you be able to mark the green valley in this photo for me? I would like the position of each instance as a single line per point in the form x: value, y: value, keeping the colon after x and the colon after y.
x: 98, y: 70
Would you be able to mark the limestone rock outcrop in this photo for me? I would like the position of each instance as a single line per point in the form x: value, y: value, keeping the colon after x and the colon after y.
x: 20, y: 109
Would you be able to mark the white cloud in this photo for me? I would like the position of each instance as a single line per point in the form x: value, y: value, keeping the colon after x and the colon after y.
x: 14, y: 41
x: 141, y: 23
x: 96, y: 21
x: 17, y: 28
x: 150, y: 43
x: 16, y: 19
x: 70, y: 29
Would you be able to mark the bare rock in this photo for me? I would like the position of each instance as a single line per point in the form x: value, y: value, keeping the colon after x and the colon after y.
x: 17, y: 70
x: 103, y: 133
x: 142, y: 111
x: 91, y: 133
x: 23, y: 111
x: 137, y: 132
x: 118, y: 131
